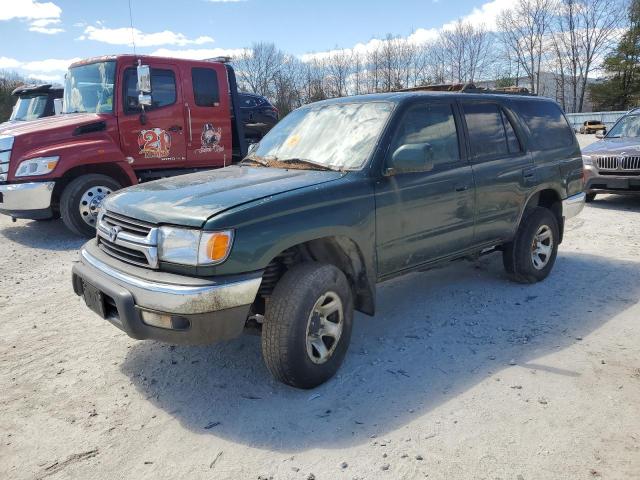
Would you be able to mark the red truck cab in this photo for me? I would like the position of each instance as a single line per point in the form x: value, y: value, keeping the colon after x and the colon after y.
x: 110, y: 136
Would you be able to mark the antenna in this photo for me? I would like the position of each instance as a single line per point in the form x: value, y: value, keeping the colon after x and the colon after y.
x: 133, y: 36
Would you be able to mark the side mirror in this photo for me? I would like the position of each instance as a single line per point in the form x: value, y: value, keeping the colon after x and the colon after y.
x: 600, y: 134
x: 144, y: 79
x: 57, y: 106
x: 412, y: 157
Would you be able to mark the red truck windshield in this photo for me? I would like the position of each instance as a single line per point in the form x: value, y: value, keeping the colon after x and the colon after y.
x: 89, y: 88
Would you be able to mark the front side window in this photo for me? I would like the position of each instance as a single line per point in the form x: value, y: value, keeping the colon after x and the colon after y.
x: 433, y: 124
x: 338, y: 136
x: 163, y: 89
x: 29, y: 107
x: 205, y: 87
x: 89, y: 88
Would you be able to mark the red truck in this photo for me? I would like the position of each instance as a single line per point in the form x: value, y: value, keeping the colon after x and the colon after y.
x: 126, y: 119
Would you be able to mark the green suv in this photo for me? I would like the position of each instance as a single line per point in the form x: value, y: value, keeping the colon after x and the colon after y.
x: 340, y: 195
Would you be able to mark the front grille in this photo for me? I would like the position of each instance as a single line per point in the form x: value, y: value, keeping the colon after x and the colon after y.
x: 127, y: 239
x: 607, y: 163
x: 129, y: 225
x: 618, y: 163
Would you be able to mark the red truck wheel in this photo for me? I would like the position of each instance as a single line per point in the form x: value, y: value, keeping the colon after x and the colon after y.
x: 81, y: 201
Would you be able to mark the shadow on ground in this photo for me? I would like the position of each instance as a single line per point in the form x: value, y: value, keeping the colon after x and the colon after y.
x: 436, y: 334
x: 47, y: 234
x: 627, y: 202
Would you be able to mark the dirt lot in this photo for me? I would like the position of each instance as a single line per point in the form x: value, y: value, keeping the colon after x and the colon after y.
x: 461, y: 374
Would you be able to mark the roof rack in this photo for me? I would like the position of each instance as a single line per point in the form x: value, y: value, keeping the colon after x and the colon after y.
x: 469, y: 88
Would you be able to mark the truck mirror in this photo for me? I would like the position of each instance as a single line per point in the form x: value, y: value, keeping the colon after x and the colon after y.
x: 412, y: 157
x: 600, y: 134
x: 144, y: 79
x: 57, y: 106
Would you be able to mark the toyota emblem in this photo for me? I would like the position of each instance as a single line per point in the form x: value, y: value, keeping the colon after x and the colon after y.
x: 113, y: 233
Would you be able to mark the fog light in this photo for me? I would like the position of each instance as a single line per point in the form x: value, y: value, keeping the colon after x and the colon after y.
x: 163, y: 320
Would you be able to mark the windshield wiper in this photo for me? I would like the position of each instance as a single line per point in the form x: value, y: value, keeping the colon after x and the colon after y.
x: 303, y: 161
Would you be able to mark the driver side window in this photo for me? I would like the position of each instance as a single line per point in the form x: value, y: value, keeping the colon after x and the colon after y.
x: 433, y: 124
x: 163, y: 89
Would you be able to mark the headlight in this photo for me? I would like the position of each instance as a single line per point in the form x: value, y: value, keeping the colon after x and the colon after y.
x: 6, y: 142
x: 37, y: 166
x: 193, y: 247
x: 586, y: 160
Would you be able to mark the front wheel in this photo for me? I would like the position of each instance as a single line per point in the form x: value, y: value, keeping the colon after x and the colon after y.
x: 529, y: 258
x: 307, y: 325
x: 81, y: 200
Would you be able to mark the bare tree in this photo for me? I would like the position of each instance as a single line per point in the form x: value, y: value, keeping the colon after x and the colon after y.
x: 258, y: 67
x: 523, y: 30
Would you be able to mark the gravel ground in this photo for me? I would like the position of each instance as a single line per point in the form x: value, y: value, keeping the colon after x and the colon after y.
x: 461, y: 374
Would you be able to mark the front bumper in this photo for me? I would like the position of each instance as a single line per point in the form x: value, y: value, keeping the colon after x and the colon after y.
x: 208, y: 310
x: 573, y: 205
x: 597, y: 183
x: 27, y: 200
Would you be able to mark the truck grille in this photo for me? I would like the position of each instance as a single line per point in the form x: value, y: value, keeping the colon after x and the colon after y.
x: 129, y: 240
x: 618, y: 163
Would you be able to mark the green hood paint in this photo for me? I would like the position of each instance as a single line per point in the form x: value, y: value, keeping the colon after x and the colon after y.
x: 190, y: 200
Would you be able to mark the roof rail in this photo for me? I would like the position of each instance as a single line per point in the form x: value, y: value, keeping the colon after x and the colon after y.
x: 469, y: 88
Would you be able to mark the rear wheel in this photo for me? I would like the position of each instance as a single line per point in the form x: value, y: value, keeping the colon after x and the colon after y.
x: 590, y: 197
x: 307, y: 325
x: 81, y: 200
x: 529, y: 258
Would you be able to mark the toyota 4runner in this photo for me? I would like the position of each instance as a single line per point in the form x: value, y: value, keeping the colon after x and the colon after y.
x: 340, y: 195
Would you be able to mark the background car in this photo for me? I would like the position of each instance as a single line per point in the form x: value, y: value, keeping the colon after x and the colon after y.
x: 593, y: 126
x: 34, y: 101
x: 258, y: 115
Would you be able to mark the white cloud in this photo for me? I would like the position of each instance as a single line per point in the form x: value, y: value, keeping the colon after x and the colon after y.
x: 46, y: 66
x: 6, y: 63
x: 29, y: 10
x: 46, y: 77
x: 123, y: 36
x: 40, y: 15
x: 199, y: 53
x: 485, y: 15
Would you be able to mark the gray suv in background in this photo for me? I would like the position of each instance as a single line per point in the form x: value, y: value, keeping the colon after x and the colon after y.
x: 612, y: 165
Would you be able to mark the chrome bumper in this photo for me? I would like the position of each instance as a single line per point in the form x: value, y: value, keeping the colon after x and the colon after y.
x: 26, y: 196
x: 573, y: 205
x: 178, y: 295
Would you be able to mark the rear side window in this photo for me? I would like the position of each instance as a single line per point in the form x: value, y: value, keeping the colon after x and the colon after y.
x: 163, y: 89
x: 549, y: 129
x: 491, y: 133
x: 433, y: 124
x: 205, y: 87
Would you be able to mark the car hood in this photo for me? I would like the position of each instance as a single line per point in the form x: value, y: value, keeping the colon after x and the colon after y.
x: 190, y: 200
x: 49, y: 123
x: 613, y: 146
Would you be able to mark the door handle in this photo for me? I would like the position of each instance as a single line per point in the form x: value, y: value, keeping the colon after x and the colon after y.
x: 461, y: 188
x: 175, y: 128
x: 529, y: 175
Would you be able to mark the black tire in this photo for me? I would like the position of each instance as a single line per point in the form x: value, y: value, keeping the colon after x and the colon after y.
x: 72, y: 196
x: 288, y: 318
x: 590, y: 197
x: 517, y: 255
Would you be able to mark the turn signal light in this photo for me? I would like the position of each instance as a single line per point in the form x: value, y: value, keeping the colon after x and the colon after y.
x: 218, y: 246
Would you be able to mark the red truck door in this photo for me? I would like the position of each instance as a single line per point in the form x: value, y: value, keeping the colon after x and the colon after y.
x: 160, y: 141
x: 208, y: 115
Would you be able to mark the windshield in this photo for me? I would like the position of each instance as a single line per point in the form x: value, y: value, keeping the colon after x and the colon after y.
x: 89, y: 88
x: 338, y: 136
x: 29, y: 107
x: 628, y: 127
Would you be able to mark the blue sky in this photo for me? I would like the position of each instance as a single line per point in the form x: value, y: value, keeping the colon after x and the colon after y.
x: 46, y: 35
